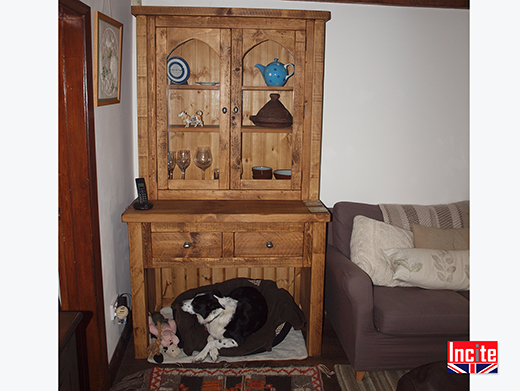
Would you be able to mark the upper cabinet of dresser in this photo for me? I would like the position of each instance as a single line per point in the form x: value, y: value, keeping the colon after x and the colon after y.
x: 200, y: 82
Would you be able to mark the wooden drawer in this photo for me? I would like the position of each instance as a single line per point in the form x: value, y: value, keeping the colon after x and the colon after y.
x: 268, y: 244
x: 186, y: 244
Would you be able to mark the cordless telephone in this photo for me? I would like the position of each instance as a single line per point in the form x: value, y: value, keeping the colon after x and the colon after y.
x: 142, y: 202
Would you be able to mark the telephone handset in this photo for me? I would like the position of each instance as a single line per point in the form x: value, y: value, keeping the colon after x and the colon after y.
x: 142, y: 202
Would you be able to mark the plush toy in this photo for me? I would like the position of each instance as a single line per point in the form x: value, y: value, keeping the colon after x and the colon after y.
x: 167, y: 341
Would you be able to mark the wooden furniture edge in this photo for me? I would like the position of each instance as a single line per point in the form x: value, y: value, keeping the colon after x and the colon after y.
x: 230, y: 12
x: 308, y: 211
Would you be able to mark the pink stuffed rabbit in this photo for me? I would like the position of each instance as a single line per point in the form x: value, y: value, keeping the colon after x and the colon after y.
x: 169, y: 339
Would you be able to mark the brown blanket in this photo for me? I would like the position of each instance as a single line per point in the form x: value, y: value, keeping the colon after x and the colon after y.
x: 282, y: 309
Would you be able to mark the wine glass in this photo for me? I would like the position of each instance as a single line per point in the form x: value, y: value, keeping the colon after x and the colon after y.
x: 171, y: 164
x: 203, y: 159
x: 183, y: 161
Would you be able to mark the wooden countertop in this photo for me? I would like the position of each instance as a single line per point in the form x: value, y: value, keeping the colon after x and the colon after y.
x: 224, y: 211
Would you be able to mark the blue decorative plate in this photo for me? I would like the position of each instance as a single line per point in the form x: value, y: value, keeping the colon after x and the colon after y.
x: 178, y: 70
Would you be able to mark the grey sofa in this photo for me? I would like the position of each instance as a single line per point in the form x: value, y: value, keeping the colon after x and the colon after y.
x: 385, y: 328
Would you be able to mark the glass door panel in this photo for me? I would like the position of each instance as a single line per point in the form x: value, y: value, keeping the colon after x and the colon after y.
x: 269, y: 145
x: 191, y: 108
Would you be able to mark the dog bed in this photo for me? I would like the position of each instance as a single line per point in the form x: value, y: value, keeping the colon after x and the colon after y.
x: 283, y: 313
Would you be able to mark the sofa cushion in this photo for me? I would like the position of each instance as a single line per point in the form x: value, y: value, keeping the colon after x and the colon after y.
x: 438, y: 238
x: 369, y: 239
x: 417, y: 311
x: 429, y: 268
x: 454, y: 215
x: 342, y: 222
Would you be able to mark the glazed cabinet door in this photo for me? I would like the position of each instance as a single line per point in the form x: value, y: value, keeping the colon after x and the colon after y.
x: 268, y: 139
x: 193, y: 98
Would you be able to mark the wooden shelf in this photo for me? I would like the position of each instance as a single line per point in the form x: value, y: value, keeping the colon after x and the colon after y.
x: 215, y: 128
x: 259, y: 129
x: 192, y: 87
x: 182, y: 128
x: 266, y: 88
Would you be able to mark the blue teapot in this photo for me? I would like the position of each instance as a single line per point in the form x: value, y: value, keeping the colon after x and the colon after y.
x: 275, y: 74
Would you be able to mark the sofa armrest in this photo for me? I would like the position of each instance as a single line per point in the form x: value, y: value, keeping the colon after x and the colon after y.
x: 349, y: 302
x: 351, y: 280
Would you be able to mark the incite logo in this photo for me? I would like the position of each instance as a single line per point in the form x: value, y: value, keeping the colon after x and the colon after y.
x: 472, y: 357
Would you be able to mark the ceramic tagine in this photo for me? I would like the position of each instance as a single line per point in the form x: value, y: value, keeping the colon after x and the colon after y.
x: 273, y: 114
x: 275, y: 74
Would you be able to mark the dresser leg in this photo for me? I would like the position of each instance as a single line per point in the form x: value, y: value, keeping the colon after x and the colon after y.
x: 315, y: 276
x: 139, y: 316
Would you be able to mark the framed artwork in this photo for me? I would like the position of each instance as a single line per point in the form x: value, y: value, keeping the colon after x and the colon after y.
x: 108, y: 41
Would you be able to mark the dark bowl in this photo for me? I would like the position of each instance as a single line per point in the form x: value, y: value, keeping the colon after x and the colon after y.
x: 262, y: 172
x: 282, y: 174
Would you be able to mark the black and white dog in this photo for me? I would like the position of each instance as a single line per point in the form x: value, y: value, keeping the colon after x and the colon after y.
x: 228, y: 320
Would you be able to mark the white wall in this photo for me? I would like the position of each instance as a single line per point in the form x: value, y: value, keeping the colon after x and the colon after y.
x: 396, y: 104
x: 114, y: 131
x: 396, y: 108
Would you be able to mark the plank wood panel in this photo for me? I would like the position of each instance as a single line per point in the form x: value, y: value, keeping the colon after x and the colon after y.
x: 227, y: 14
x: 174, y: 281
x: 239, y: 262
x: 153, y: 95
x: 224, y: 22
x: 162, y: 113
x: 246, y: 193
x: 315, y: 288
x: 140, y: 323
x: 225, y: 163
x: 236, y: 101
x: 317, y: 110
x: 213, y: 211
x: 230, y: 228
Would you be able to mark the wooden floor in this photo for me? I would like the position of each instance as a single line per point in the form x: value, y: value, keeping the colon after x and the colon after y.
x: 332, y: 353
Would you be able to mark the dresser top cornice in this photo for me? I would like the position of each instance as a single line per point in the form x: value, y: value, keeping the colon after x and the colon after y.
x: 230, y: 12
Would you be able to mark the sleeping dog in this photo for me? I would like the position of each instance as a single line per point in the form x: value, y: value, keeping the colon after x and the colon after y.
x: 228, y: 320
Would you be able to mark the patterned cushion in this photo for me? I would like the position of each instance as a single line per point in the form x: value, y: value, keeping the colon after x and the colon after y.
x: 455, y: 215
x: 430, y: 269
x: 369, y: 238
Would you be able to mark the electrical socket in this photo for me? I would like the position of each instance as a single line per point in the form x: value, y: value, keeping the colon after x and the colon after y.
x: 113, y: 307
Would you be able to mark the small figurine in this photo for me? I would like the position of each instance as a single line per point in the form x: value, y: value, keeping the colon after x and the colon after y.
x: 194, y: 120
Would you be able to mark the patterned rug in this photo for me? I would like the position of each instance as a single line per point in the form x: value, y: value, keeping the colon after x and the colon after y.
x: 372, y: 381
x: 225, y: 379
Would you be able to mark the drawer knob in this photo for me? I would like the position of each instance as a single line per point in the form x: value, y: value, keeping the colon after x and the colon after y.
x: 269, y: 244
x: 186, y: 245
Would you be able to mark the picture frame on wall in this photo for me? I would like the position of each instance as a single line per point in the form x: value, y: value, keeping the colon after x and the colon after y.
x: 108, y: 48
